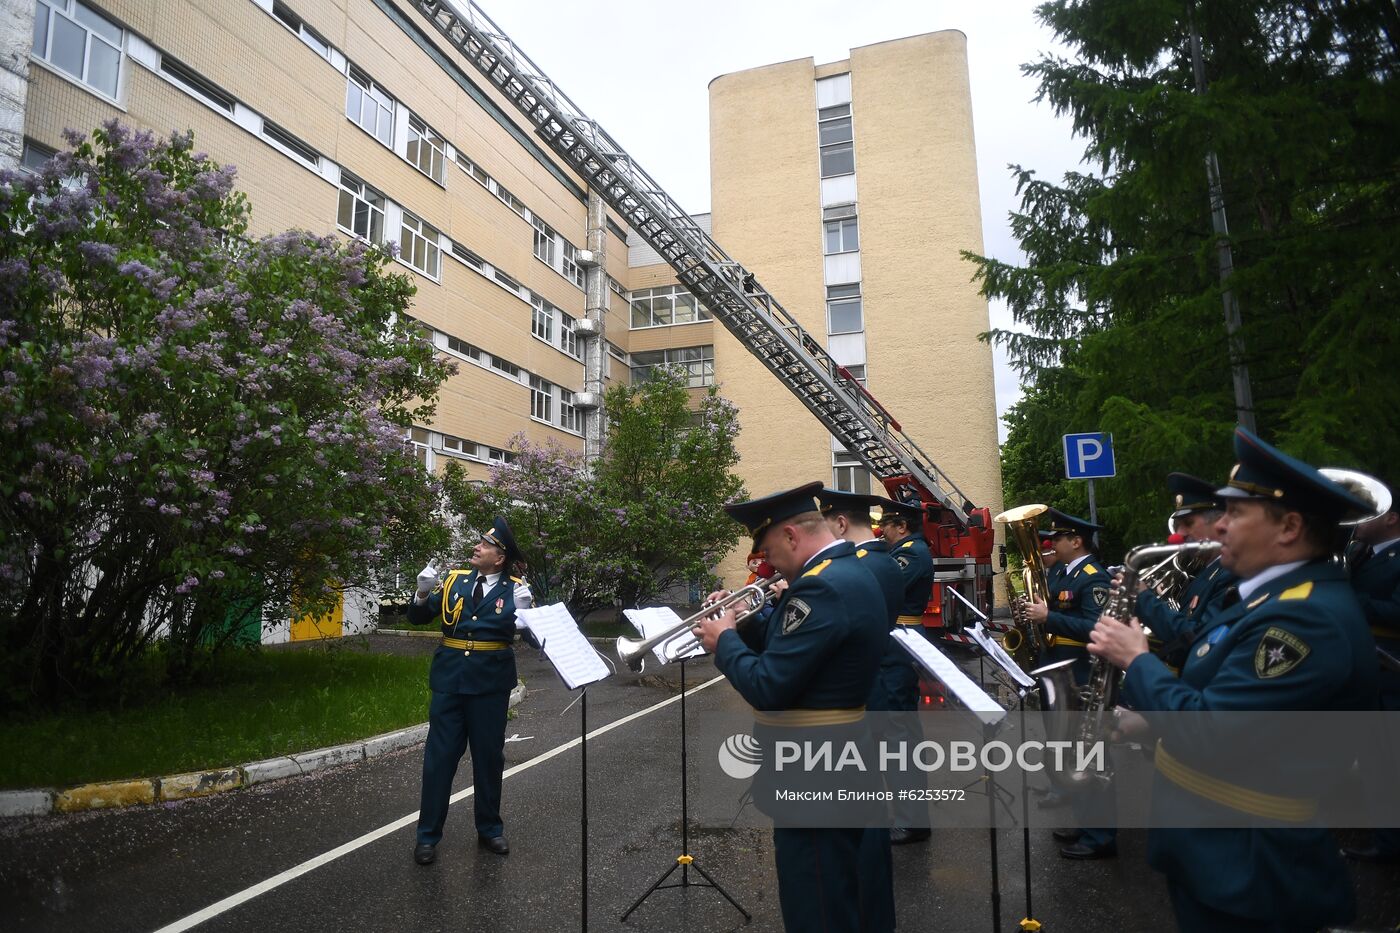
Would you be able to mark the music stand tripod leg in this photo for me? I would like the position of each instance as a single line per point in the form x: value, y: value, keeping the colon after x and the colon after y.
x: 685, y: 861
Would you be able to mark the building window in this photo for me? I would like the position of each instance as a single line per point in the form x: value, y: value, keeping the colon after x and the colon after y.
x: 568, y: 339
x: 835, y: 139
x: 843, y: 311
x: 298, y: 25
x: 468, y: 257
x: 34, y: 156
x: 425, y: 149
x: 369, y: 107
x: 570, y: 418
x: 291, y: 144
x: 848, y: 475
x: 418, y: 245
x: 477, y: 173
x: 542, y: 320
x: 544, y: 242
x: 506, y: 366
x: 80, y: 42
x: 361, y: 209
x: 192, y: 82
x: 857, y: 371
x: 508, y: 282
x: 668, y: 304
x: 541, y: 398
x: 421, y: 439
x: 458, y: 345
x: 503, y: 194
x: 698, y: 363
x: 572, y: 270
x: 842, y: 236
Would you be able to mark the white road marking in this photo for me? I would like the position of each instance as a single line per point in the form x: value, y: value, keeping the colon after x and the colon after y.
x: 325, y: 858
x: 517, y: 737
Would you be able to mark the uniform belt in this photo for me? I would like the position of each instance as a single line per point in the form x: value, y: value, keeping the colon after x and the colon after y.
x: 810, y: 717
x: 910, y: 620
x: 1060, y: 641
x: 1385, y: 631
x: 466, y: 644
x: 1243, y: 799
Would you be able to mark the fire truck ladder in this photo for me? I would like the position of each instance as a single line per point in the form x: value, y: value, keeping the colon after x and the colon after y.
x: 732, y: 293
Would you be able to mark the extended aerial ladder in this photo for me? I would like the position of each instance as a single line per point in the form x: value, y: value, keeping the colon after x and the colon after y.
x: 960, y: 534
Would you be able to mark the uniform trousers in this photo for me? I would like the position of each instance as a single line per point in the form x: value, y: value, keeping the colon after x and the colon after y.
x: 1192, y: 916
x: 457, y: 721
x: 818, y: 884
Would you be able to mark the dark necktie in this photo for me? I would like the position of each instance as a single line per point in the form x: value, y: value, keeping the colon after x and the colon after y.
x: 478, y: 592
x: 1232, y: 596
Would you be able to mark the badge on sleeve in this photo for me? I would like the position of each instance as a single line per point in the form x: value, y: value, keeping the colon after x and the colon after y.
x: 797, y: 613
x: 1101, y: 596
x: 902, y: 560
x: 1278, y: 653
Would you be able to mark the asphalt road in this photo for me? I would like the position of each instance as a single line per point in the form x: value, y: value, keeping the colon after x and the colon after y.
x: 322, y: 852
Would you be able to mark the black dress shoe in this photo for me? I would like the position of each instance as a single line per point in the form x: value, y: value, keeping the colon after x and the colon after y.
x: 899, y: 836
x: 424, y: 854
x: 496, y: 844
x: 1067, y: 835
x: 1084, y: 852
x: 1370, y: 854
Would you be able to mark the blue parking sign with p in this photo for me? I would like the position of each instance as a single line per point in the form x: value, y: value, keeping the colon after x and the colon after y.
x: 1088, y: 456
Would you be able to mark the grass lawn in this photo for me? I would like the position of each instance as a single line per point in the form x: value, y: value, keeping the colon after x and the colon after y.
x: 259, y: 704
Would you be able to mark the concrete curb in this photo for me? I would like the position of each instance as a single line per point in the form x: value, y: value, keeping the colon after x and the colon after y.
x: 111, y: 794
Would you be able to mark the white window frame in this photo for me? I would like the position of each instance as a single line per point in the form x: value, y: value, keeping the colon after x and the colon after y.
x: 418, y: 230
x: 313, y: 39
x: 360, y: 196
x: 698, y: 363
x: 570, y: 418
x: 357, y: 80
x: 841, y: 301
x: 829, y: 117
x: 568, y: 337
x: 848, y: 474
x: 542, y: 319
x: 87, y: 20
x: 544, y: 242
x: 672, y: 293
x: 847, y: 228
x: 569, y: 265
x: 541, y: 399
x: 431, y: 148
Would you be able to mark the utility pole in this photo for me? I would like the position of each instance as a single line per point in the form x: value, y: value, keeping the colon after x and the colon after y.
x: 1239, y: 369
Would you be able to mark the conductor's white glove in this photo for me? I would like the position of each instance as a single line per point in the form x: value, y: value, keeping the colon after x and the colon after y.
x: 524, y: 599
x: 427, y: 579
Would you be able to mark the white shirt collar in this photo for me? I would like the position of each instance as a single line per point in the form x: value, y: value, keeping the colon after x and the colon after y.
x: 1377, y: 548
x: 1254, y: 583
x: 1069, y: 568
x: 873, y: 540
x: 491, y: 579
x: 837, y: 543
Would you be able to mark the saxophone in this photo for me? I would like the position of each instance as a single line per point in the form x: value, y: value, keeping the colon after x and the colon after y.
x: 1096, y: 698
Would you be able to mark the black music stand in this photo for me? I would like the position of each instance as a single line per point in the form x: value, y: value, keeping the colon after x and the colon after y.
x: 685, y: 861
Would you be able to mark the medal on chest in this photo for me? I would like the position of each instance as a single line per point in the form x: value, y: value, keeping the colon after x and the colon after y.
x: 1213, y: 638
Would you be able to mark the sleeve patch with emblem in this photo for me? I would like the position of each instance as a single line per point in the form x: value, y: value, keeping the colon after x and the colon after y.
x: 1101, y: 596
x: 796, y: 613
x: 1278, y: 653
x: 902, y: 560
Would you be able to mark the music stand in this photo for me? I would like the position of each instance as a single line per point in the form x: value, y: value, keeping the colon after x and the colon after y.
x: 685, y: 861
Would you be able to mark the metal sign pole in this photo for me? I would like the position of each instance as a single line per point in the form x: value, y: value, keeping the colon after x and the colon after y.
x: 1093, y: 508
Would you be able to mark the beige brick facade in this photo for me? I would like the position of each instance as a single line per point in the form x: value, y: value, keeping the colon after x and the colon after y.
x: 918, y: 206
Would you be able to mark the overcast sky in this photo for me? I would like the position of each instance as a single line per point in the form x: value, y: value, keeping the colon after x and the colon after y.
x: 641, y: 68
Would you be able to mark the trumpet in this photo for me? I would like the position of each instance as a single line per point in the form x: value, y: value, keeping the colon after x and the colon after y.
x: 633, y: 651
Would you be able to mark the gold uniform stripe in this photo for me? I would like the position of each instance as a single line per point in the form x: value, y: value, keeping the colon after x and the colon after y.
x: 810, y: 717
x: 1256, y: 803
x: 1060, y: 641
x: 466, y: 644
x: 910, y: 620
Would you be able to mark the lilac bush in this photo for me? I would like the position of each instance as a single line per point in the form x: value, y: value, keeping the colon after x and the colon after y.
x: 198, y: 425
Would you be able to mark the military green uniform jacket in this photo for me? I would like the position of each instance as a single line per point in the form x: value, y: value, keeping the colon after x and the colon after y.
x: 455, y: 670
x: 1298, y: 643
x: 1077, y: 600
x: 1173, y: 628
x: 1376, y: 580
x: 915, y: 561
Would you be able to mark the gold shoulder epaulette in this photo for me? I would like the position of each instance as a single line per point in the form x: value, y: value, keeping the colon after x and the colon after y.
x: 517, y: 580
x: 1090, y: 569
x: 907, y: 544
x: 1301, y: 591
x: 861, y: 552
x: 816, y: 571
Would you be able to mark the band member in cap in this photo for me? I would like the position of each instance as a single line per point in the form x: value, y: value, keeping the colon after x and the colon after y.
x: 472, y: 675
x: 847, y: 514
x: 1079, y: 594
x: 1054, y: 570
x: 902, y: 526
x: 1197, y: 517
x: 1374, y: 560
x: 820, y: 654
x: 1290, y: 636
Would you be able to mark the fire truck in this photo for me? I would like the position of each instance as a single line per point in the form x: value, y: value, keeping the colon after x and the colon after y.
x: 959, y: 533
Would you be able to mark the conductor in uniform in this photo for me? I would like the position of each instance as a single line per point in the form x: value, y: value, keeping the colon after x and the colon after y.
x: 1290, y: 636
x: 818, y: 657
x: 471, y: 677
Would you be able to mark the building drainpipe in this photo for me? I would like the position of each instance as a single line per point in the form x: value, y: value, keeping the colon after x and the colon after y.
x: 16, y: 36
x: 595, y: 348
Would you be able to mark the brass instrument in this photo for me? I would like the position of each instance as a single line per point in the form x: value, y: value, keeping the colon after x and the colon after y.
x: 1364, y: 487
x: 1058, y: 691
x: 1025, y: 642
x: 1170, y: 576
x: 633, y: 651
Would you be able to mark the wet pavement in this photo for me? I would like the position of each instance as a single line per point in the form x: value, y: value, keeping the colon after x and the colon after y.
x: 145, y: 868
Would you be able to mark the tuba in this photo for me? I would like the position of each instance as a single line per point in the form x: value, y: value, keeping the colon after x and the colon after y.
x: 1025, y: 642
x: 1369, y: 490
x: 1093, y: 700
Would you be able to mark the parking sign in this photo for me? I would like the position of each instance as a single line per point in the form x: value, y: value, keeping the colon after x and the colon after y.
x: 1089, y: 456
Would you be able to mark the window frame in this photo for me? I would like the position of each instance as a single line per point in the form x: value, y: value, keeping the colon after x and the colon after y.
x: 841, y: 236
x: 432, y: 244
x: 833, y: 117
x: 68, y: 12
x: 357, y: 198
x: 544, y: 241
x: 843, y: 302
x: 542, y: 319
x: 541, y: 399
x: 425, y: 138
x: 676, y: 294
x: 358, y: 79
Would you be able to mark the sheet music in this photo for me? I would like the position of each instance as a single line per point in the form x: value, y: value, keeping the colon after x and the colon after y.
x: 654, y: 621
x: 998, y: 654
x: 565, y: 646
x: 940, y: 667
